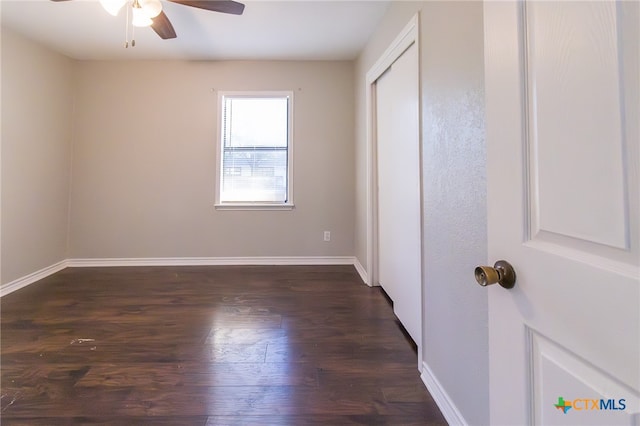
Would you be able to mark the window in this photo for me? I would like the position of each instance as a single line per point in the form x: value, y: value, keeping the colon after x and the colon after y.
x: 254, y: 145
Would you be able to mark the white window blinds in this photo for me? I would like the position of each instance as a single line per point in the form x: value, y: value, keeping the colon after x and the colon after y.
x: 255, y: 149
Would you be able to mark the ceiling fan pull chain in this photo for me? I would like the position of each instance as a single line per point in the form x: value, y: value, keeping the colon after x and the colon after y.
x: 134, y: 3
x: 126, y: 28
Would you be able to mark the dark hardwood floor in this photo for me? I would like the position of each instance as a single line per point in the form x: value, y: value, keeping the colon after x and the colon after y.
x: 263, y: 345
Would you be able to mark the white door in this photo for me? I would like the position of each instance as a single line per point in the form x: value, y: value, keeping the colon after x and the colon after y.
x: 563, y: 164
x: 398, y: 150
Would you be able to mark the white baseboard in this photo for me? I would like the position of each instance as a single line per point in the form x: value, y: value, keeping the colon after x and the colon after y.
x: 31, y: 278
x: 213, y: 261
x: 178, y: 261
x: 361, y: 271
x: 442, y: 399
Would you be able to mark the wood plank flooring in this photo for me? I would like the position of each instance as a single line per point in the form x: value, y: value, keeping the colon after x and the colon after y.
x: 251, y: 345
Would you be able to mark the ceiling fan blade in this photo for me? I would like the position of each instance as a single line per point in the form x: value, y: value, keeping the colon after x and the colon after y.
x: 223, y: 6
x: 162, y: 26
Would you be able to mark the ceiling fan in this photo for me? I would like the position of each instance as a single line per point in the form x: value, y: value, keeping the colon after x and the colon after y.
x: 149, y: 12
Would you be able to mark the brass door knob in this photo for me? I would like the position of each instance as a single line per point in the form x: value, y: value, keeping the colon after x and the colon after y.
x: 501, y: 273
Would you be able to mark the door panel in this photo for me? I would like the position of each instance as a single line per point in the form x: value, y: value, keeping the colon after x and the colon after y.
x: 398, y: 152
x: 562, y: 150
x: 574, y: 102
x: 558, y: 372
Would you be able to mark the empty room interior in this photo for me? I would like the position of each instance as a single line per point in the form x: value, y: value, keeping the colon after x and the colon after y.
x: 270, y: 213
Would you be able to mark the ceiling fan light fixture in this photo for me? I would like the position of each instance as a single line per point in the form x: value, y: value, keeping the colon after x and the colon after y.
x: 112, y: 6
x: 151, y: 8
x: 149, y: 13
x: 140, y: 18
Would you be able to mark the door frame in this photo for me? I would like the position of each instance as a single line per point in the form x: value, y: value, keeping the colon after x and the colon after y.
x: 409, y: 36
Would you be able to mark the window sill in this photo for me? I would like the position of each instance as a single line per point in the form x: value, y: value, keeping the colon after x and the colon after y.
x: 242, y: 206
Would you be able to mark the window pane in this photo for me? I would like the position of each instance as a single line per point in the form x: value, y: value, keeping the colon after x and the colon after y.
x: 254, y: 175
x: 255, y: 122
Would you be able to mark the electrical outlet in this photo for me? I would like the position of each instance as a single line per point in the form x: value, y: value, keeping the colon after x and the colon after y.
x: 327, y: 235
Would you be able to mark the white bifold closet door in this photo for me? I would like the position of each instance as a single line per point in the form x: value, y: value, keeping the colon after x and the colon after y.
x: 398, y: 154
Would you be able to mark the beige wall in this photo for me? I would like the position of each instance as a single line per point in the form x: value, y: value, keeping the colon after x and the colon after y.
x: 37, y: 101
x: 455, y: 333
x: 145, y: 161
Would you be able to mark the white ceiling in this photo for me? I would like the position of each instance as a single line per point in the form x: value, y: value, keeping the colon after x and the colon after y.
x: 279, y: 30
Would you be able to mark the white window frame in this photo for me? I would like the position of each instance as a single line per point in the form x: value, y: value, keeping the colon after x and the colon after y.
x: 288, y: 205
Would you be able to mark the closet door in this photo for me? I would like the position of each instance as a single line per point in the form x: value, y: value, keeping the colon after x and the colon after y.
x: 398, y: 153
